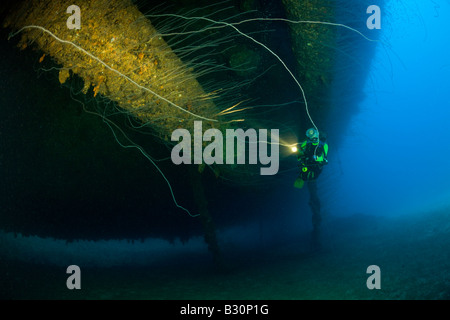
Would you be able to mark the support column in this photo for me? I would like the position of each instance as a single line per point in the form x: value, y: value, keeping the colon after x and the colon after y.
x: 314, y: 203
x: 205, y: 217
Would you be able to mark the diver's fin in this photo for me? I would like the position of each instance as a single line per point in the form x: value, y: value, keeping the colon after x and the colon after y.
x: 299, y: 183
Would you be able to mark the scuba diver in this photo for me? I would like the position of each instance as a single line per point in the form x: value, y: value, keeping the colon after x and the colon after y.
x: 312, y: 156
